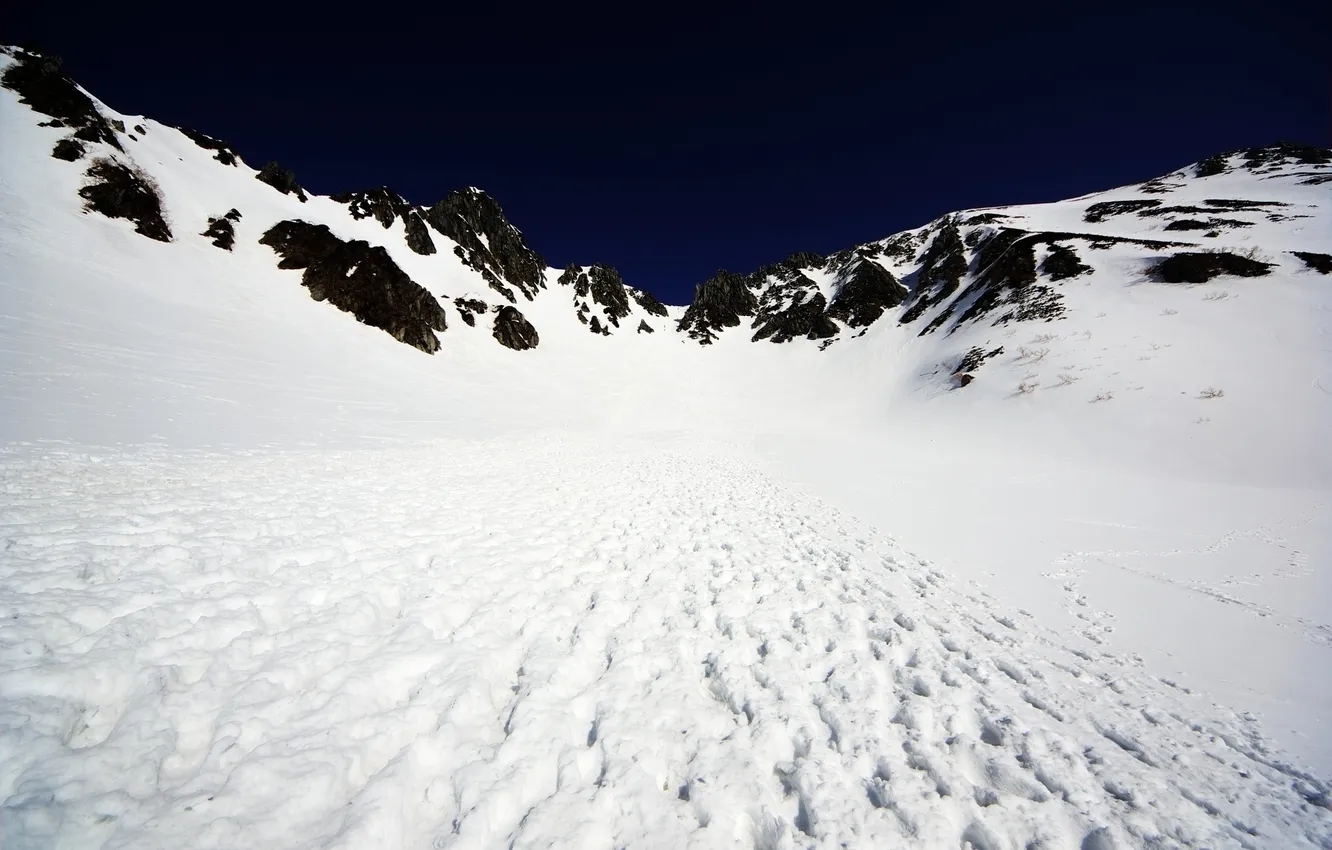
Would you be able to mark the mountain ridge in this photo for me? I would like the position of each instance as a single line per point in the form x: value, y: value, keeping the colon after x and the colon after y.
x: 959, y: 269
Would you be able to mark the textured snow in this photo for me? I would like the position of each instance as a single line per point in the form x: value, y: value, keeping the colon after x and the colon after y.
x: 538, y: 643
x: 268, y: 576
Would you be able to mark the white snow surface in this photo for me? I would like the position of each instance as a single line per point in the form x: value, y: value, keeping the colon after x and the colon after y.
x: 539, y: 643
x: 269, y: 577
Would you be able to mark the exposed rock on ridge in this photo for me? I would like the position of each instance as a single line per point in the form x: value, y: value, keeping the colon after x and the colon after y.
x: 282, y: 179
x: 600, y: 285
x: 488, y: 243
x: 387, y: 207
x: 719, y: 302
x: 42, y: 85
x: 359, y: 279
x: 222, y: 152
x: 512, y: 330
x: 117, y: 191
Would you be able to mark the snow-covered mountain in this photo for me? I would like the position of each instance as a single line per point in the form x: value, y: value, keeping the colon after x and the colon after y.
x: 481, y: 552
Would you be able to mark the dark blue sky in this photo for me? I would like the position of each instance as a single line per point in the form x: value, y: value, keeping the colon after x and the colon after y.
x: 676, y: 140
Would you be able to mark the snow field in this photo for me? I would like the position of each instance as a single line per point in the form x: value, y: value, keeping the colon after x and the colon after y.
x: 541, y: 642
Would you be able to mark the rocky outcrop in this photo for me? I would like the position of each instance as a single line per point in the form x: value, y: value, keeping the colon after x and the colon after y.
x: 69, y: 150
x: 1099, y: 212
x: 488, y: 243
x: 865, y: 290
x: 941, y: 271
x: 1202, y: 266
x: 719, y: 302
x: 650, y: 305
x: 360, y: 279
x: 600, y: 285
x: 975, y: 357
x: 1321, y: 263
x: 512, y: 330
x: 1062, y: 262
x: 387, y: 207
x: 1263, y: 160
x: 222, y: 151
x: 42, y: 85
x: 1005, y: 277
x: 282, y: 179
x: 802, y: 318
x: 222, y: 231
x: 118, y: 191
x: 644, y: 327
x: 469, y: 309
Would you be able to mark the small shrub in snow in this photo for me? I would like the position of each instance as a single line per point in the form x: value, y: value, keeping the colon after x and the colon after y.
x: 1105, y: 396
x: 1216, y: 296
x: 1066, y: 379
x: 1168, y: 312
x: 1031, y: 355
x: 1027, y: 387
x: 1212, y: 392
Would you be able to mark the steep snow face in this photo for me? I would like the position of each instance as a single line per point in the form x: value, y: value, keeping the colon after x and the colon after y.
x: 1139, y: 465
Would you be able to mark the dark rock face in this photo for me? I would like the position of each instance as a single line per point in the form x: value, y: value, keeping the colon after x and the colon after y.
x: 719, y: 302
x: 69, y: 150
x: 1264, y: 160
x: 512, y: 330
x: 601, y: 285
x: 941, y: 271
x: 359, y: 279
x: 1200, y: 267
x: 1063, y: 262
x: 867, y: 289
x: 387, y: 207
x: 42, y: 85
x: 1213, y: 165
x: 502, y: 257
x: 903, y: 247
x: 1107, y: 209
x: 789, y: 302
x: 963, y: 379
x: 975, y: 358
x: 801, y: 319
x: 1321, y: 263
x: 644, y: 327
x: 1239, y: 205
x: 1006, y: 277
x: 650, y: 305
x: 282, y: 179
x: 222, y: 152
x: 1007, y: 269
x: 1210, y: 224
x: 1284, y: 153
x: 222, y: 231
x: 116, y: 191
x: 468, y: 308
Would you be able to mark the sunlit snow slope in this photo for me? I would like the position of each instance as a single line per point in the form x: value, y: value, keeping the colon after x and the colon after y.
x: 270, y: 576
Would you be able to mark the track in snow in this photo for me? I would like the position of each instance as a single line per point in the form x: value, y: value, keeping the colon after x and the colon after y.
x: 536, y: 643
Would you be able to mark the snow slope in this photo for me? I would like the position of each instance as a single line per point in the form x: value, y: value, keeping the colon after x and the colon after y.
x: 270, y: 575
x: 537, y: 643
